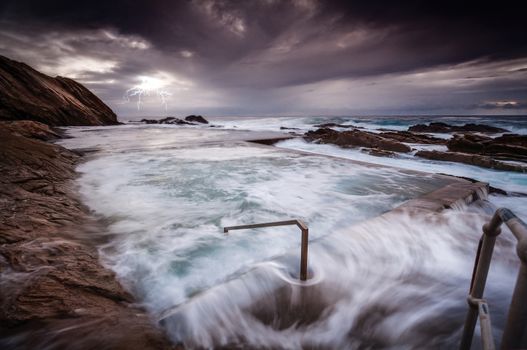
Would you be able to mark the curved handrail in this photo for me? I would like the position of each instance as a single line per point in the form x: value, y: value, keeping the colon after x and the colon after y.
x: 515, y: 334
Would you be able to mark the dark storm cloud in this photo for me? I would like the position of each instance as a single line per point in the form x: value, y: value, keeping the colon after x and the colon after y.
x: 249, y: 47
x: 418, y: 33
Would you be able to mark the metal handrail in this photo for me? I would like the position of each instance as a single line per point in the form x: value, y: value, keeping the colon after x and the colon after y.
x: 515, y: 333
x: 303, y: 246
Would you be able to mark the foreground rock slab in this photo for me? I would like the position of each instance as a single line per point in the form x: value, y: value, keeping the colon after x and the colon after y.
x: 54, y: 293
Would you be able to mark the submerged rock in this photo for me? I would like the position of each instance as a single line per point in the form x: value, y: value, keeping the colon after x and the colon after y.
x: 472, y: 159
x: 26, y: 94
x: 355, y: 138
x: 446, y: 128
x: 197, y: 119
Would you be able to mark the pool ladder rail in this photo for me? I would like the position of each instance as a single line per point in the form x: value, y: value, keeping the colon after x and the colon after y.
x: 303, y: 246
x: 515, y: 333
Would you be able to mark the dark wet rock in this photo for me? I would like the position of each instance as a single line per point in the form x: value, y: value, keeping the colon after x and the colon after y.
x: 196, y: 119
x: 446, y: 128
x: 512, y: 139
x: 286, y: 128
x: 272, y: 141
x: 472, y: 159
x: 173, y: 120
x: 409, y: 137
x: 378, y: 152
x: 54, y: 292
x: 334, y: 125
x: 26, y: 94
x: 355, y: 138
x: 468, y: 143
x: 506, y: 147
x: 149, y: 121
x: 167, y: 120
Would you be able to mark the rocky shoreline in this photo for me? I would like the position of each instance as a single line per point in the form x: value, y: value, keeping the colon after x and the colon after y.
x: 469, y: 144
x: 54, y: 291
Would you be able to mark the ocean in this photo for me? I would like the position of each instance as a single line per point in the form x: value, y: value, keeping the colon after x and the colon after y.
x: 166, y: 192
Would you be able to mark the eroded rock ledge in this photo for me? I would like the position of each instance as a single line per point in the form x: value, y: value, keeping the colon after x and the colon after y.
x: 54, y: 293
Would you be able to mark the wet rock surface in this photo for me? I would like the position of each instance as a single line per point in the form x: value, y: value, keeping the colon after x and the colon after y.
x: 472, y: 159
x: 190, y: 120
x: 54, y: 293
x: 505, y: 147
x: 196, y: 119
x: 409, y: 137
x: 447, y: 128
x: 355, y: 138
x: 167, y: 120
x: 335, y: 125
x: 472, y: 146
x: 26, y: 94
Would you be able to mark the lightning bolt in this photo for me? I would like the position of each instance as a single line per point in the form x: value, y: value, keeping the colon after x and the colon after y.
x: 148, y: 87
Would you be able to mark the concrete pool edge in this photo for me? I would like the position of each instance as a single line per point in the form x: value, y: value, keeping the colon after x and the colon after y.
x: 456, y: 194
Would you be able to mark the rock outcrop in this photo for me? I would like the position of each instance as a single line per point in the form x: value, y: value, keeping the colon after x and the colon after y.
x: 409, y: 137
x: 446, y: 128
x: 26, y: 94
x: 335, y: 125
x: 167, y: 120
x: 355, y: 138
x: 196, y: 119
x: 505, y: 147
x: 54, y: 293
x: 190, y: 120
x: 472, y: 159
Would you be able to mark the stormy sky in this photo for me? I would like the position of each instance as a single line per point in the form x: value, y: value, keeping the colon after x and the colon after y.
x: 278, y: 57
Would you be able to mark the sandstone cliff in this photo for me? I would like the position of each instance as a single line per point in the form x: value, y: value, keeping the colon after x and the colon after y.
x: 28, y: 94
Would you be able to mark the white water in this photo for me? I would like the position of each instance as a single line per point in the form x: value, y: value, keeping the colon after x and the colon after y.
x: 509, y: 181
x: 399, y: 283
